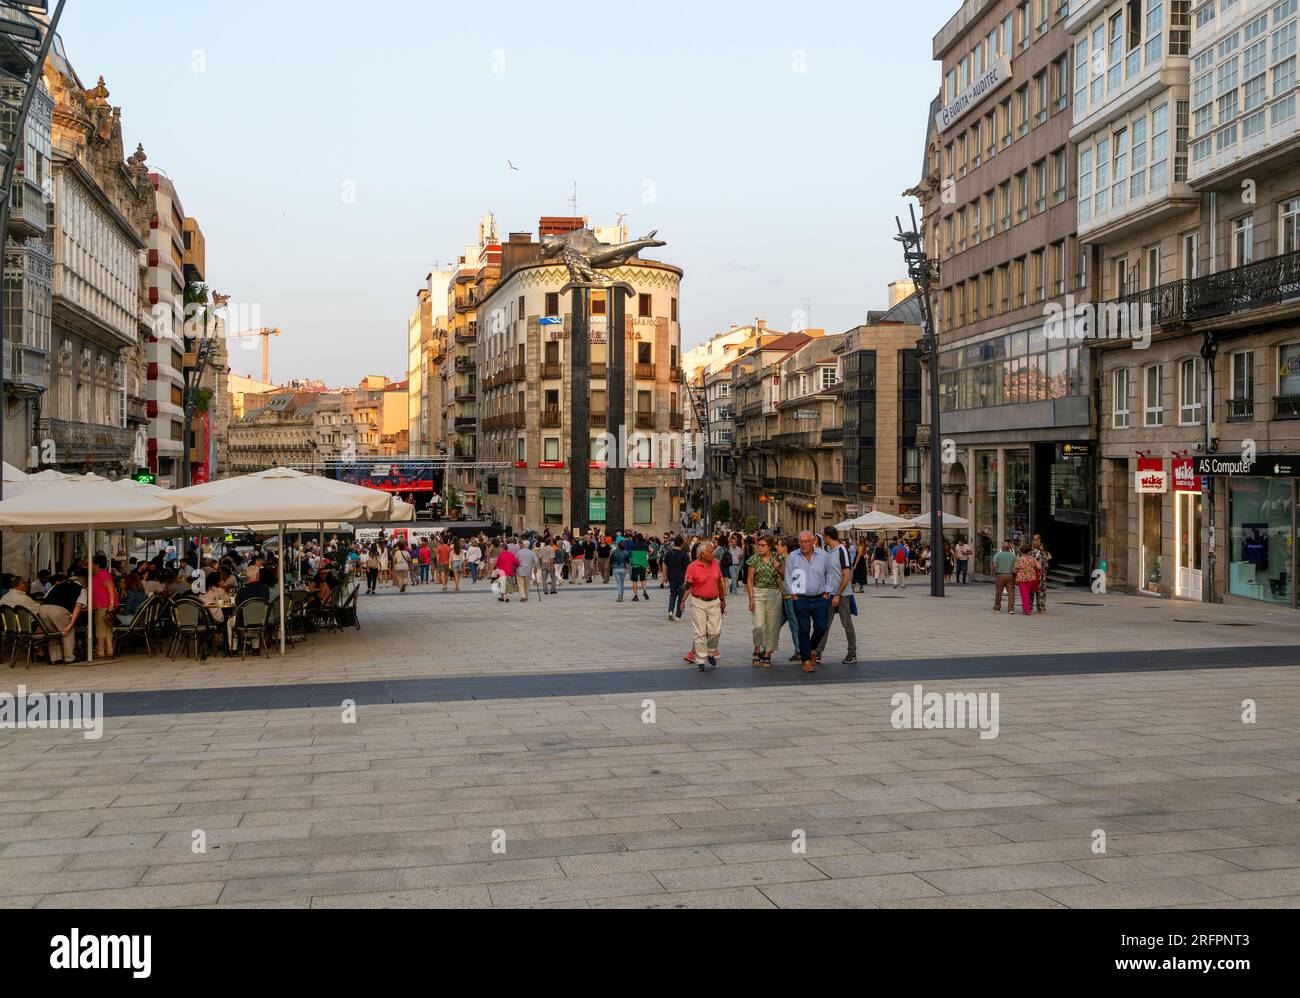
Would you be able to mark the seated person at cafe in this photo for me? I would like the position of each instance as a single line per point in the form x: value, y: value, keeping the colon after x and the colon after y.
x: 133, y: 597
x: 41, y: 585
x: 64, y: 603
x: 173, y: 584
x: 320, y: 589
x: 16, y: 593
x: 257, y: 587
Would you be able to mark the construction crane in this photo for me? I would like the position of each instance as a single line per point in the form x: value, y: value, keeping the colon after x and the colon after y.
x: 266, y: 335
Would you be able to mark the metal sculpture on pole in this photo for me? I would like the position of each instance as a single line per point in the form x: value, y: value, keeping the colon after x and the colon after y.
x: 585, y: 256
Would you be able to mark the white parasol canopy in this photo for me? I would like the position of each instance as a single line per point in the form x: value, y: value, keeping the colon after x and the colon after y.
x: 946, y: 520
x: 54, y: 501
x: 270, y: 500
x: 881, y: 521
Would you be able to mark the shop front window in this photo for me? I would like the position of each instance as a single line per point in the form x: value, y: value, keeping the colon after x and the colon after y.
x: 1016, y: 496
x: 1261, y: 540
x: 1152, y: 538
x: 987, y: 541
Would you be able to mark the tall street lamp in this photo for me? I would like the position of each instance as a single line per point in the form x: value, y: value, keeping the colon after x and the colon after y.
x: 921, y: 269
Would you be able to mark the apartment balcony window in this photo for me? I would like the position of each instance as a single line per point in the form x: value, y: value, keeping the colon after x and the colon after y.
x: 645, y: 420
x: 551, y: 415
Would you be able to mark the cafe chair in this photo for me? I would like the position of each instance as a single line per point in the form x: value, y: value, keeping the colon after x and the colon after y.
x: 346, y: 614
x: 251, y: 620
x: 28, y: 632
x: 138, y: 627
x: 192, y: 627
x: 327, y: 615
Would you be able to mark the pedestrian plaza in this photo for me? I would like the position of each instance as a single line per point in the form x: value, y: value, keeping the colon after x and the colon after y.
x: 560, y: 753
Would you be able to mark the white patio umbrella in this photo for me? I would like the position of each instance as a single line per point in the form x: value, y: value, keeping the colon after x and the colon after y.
x: 264, y: 500
x: 881, y: 521
x: 69, y: 502
x: 845, y: 525
x: 946, y: 520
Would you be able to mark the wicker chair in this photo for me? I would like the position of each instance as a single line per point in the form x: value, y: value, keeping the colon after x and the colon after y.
x: 192, y: 627
x: 251, y: 622
x: 346, y: 614
x: 28, y: 632
x: 327, y: 615
x: 138, y: 628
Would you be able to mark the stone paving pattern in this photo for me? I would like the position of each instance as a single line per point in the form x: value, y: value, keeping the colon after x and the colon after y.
x: 698, y: 809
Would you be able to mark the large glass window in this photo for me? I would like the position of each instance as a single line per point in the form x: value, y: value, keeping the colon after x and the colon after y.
x: 1016, y: 495
x: 987, y: 541
x: 1261, y: 558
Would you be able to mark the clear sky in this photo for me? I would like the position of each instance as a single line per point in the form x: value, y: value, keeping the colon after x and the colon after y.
x: 769, y: 143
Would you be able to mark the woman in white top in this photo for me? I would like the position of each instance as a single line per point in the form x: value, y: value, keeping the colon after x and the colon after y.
x: 473, y: 556
x: 383, y: 564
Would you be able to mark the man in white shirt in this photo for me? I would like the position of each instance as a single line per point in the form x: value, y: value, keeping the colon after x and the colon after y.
x: 841, y: 602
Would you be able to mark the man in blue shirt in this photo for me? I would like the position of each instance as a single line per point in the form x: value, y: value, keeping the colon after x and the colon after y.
x: 811, y: 576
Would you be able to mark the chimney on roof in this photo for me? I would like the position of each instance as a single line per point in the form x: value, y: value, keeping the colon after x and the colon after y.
x: 762, y: 324
x: 900, y: 290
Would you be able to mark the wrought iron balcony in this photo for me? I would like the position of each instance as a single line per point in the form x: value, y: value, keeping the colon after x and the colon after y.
x: 1240, y: 289
x: 645, y: 420
x: 1241, y: 409
x: 832, y: 434
x: 464, y: 364
x: 465, y: 422
x: 832, y: 488
x: 1286, y: 407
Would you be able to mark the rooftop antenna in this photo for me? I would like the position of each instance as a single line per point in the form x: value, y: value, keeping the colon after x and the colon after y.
x: 807, y: 308
x: 622, y: 230
x: 573, y: 200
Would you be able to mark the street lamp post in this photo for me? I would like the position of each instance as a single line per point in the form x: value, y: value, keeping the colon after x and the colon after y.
x: 921, y: 269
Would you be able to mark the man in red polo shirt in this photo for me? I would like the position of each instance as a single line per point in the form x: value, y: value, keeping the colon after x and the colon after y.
x: 708, y: 595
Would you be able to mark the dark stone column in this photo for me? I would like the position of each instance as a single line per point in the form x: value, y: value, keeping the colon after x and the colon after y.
x: 616, y: 408
x: 580, y: 409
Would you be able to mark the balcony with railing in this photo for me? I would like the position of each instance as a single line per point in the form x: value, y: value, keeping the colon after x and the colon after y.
x: 1286, y: 407
x: 1268, y: 283
x: 551, y: 369
x: 597, y: 417
x: 466, y: 303
x: 1241, y: 409
x: 832, y: 434
x: 467, y: 334
x: 803, y: 485
x: 463, y: 364
x: 645, y: 372
x: 645, y: 420
x: 551, y: 416
x: 465, y: 422
x: 832, y: 488
x: 465, y: 393
x: 675, y: 421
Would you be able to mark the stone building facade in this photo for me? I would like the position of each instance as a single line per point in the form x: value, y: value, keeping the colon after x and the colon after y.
x: 525, y: 384
x: 93, y: 414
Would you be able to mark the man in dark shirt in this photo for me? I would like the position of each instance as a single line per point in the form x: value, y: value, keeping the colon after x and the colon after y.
x: 603, y: 551
x: 60, y: 609
x: 675, y: 561
x: 261, y: 589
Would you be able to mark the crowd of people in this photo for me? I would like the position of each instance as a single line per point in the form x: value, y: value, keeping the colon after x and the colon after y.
x: 802, y: 584
x: 120, y: 587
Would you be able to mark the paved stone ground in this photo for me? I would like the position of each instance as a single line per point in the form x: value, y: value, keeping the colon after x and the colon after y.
x: 424, y: 633
x: 595, y: 807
